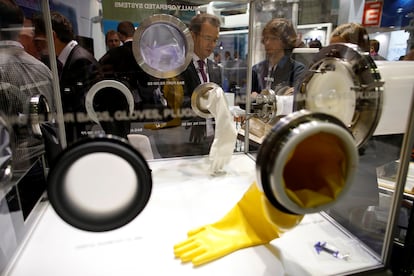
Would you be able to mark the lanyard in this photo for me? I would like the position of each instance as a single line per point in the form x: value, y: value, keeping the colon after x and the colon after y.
x: 269, y: 79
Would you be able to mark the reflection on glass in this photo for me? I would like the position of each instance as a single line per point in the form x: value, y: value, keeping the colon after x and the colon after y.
x: 163, y: 47
x: 5, y: 153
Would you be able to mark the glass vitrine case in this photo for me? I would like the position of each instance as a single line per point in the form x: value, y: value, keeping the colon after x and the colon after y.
x: 288, y: 152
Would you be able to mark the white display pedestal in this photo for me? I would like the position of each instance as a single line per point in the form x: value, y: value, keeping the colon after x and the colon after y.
x: 184, y: 197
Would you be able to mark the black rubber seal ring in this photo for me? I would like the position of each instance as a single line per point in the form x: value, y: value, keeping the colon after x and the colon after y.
x: 81, y: 148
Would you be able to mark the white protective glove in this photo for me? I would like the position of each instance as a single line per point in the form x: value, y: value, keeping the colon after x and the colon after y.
x: 225, y: 130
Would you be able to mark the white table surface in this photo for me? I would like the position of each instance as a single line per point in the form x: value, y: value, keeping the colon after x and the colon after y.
x: 184, y: 196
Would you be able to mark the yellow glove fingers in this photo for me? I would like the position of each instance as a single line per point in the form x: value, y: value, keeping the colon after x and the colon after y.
x: 189, y: 256
x: 184, y: 246
x: 206, y: 257
x: 246, y: 224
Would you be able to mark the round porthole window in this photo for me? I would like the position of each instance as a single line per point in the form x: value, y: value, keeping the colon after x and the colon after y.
x: 344, y: 82
x: 99, y: 183
x: 102, y: 86
x: 324, y: 151
x: 199, y: 99
x: 163, y: 46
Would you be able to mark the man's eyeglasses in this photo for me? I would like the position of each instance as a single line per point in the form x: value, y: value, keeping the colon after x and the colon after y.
x: 209, y: 39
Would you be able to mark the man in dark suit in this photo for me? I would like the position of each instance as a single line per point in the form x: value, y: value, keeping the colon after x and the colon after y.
x: 119, y: 63
x: 22, y: 77
x: 112, y: 39
x: 182, y: 134
x: 78, y: 70
x: 205, y: 30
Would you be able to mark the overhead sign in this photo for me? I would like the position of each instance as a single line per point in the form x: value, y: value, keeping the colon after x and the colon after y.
x: 138, y: 10
x: 372, y: 14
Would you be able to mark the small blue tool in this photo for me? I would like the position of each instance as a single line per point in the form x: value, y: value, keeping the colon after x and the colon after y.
x: 323, y: 247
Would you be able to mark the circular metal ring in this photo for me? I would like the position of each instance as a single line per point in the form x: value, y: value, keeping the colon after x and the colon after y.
x: 90, y: 96
x: 266, y: 105
x: 163, y: 46
x: 199, y: 99
x: 344, y: 82
x: 6, y: 167
x: 39, y: 111
x: 288, y: 144
x: 99, y: 183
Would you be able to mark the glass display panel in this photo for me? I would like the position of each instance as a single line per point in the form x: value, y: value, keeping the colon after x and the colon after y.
x: 26, y: 111
x: 161, y: 123
x: 367, y: 210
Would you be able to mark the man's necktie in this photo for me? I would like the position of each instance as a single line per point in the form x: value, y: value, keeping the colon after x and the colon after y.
x: 209, y: 121
x: 59, y: 67
x: 202, y: 71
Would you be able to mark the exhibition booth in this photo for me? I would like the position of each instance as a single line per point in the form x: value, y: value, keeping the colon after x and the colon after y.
x: 308, y: 178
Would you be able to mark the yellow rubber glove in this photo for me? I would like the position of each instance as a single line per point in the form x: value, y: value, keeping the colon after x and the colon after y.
x: 253, y: 221
x: 321, y: 179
